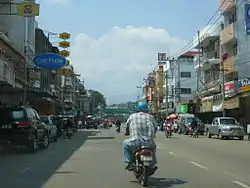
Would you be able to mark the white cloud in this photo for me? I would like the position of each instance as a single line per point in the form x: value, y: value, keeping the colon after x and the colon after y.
x: 116, y: 62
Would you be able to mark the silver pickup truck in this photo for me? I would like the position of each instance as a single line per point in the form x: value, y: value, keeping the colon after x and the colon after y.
x: 226, y: 127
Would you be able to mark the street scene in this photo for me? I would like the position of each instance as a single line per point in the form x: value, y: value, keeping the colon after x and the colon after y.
x: 92, y: 97
x: 94, y: 158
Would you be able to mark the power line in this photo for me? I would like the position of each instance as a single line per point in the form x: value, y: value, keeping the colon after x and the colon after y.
x: 190, y: 45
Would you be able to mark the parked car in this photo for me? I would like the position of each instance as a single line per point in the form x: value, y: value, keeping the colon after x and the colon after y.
x: 226, y: 127
x: 51, y: 127
x: 23, y: 126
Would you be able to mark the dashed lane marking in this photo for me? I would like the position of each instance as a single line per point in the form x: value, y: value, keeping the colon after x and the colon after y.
x: 198, y: 165
x: 172, y: 153
x: 241, y: 184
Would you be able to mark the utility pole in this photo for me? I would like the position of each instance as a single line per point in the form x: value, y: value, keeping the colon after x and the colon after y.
x: 178, y: 80
x: 166, y: 81
x: 199, y: 63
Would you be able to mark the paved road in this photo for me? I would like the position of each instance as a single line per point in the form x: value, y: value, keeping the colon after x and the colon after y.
x: 93, y: 159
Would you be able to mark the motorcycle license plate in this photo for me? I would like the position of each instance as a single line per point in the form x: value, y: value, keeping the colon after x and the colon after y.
x: 146, y: 163
x: 146, y: 158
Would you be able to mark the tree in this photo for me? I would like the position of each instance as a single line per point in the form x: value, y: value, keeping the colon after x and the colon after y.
x: 97, y: 99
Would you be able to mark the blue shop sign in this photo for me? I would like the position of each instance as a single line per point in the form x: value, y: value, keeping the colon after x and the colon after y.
x: 243, y: 85
x: 50, y: 61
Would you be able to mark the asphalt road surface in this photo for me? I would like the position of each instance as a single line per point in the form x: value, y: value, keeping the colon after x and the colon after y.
x: 93, y: 159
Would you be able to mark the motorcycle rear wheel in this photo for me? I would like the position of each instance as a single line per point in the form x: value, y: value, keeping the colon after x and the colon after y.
x: 144, y: 176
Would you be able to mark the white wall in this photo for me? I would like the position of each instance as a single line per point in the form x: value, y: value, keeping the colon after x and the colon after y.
x: 188, y: 82
x: 14, y: 27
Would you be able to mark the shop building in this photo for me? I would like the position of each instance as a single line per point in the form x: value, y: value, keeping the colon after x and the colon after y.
x: 12, y: 80
x: 207, y: 66
x: 43, y: 91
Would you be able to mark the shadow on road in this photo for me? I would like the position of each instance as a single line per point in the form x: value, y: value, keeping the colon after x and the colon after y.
x: 33, y: 170
x: 164, y: 182
x: 101, y: 138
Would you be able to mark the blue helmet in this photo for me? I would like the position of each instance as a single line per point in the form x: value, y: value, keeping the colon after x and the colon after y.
x: 142, y: 106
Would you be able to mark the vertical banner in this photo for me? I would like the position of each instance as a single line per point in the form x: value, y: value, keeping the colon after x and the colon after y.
x: 247, y: 19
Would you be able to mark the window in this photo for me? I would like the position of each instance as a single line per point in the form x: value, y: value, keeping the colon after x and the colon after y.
x: 185, y: 74
x: 185, y: 90
x: 18, y: 114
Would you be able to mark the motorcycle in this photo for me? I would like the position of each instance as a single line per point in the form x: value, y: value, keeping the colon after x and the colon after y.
x: 142, y: 169
x: 168, y: 131
x: 194, y: 132
x: 118, y: 129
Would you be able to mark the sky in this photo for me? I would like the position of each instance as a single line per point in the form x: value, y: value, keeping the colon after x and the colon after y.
x: 114, y: 43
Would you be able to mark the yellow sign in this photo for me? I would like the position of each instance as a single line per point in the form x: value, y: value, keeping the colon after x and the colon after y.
x: 28, y: 9
x: 64, y: 72
x: 64, y: 44
x: 64, y: 53
x: 64, y: 36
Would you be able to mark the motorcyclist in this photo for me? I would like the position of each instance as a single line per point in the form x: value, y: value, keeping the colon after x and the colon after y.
x: 68, y: 123
x: 193, y: 125
x: 141, y: 128
x: 118, y: 125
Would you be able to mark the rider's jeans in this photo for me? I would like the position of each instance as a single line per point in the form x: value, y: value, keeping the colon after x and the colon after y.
x: 128, y: 150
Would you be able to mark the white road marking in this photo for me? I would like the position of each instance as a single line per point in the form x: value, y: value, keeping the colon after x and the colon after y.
x: 232, y: 175
x: 171, y: 153
x: 158, y: 147
x: 198, y: 165
x: 241, y: 184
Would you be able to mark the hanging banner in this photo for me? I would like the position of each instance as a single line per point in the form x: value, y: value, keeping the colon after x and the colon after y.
x: 28, y: 9
x: 247, y: 19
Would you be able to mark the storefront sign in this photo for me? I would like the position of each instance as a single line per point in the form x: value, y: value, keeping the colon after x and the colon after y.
x: 229, y: 89
x: 64, y: 36
x: 151, y: 80
x: 243, y: 85
x: 207, y: 106
x: 50, y: 61
x: 232, y: 103
x: 28, y: 9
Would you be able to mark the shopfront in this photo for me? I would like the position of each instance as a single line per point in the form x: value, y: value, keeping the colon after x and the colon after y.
x: 207, y: 104
x: 217, y: 103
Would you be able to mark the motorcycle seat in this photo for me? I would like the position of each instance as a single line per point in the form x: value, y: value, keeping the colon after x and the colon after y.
x: 140, y: 148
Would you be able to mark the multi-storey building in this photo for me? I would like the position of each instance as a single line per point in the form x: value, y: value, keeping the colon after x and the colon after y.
x: 208, y: 70
x: 17, y: 36
x: 235, y: 40
x: 182, y: 80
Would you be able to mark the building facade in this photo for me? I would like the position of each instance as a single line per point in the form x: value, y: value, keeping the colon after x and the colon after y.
x: 235, y: 40
x: 208, y: 69
x: 14, y: 28
x: 12, y: 63
x: 185, y: 79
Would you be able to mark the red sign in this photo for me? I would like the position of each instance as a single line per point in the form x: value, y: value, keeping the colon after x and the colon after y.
x: 229, y: 89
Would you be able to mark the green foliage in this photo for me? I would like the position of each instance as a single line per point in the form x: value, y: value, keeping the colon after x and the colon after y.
x: 97, y: 100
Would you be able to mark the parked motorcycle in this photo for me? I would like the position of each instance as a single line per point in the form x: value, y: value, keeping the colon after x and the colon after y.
x: 142, y: 169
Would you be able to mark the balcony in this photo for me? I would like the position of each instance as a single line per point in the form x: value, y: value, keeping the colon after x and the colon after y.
x: 227, y: 5
x: 207, y: 60
x: 229, y: 65
x: 227, y: 34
